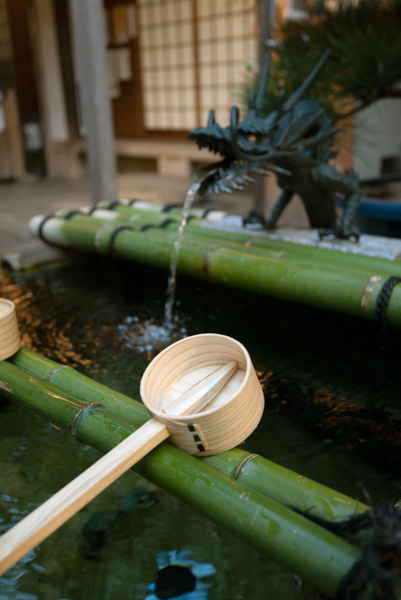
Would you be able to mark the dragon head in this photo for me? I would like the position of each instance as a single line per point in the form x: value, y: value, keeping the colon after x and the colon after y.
x: 258, y: 143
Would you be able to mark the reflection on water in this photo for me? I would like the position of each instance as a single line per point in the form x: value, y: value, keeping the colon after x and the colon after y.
x: 329, y: 415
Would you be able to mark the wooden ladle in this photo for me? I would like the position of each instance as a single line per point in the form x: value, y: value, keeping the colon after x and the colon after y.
x: 48, y: 517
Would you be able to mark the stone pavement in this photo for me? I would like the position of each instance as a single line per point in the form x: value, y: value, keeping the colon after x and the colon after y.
x: 20, y: 201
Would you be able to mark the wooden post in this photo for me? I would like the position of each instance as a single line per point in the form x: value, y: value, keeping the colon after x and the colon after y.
x: 90, y: 46
x: 265, y: 20
x: 13, y: 137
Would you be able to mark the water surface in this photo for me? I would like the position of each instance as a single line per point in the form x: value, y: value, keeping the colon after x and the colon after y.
x: 332, y: 413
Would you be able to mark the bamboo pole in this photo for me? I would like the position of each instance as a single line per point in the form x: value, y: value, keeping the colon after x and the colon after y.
x: 351, y: 293
x: 272, y: 528
x: 191, y: 237
x: 37, y: 257
x: 256, y: 240
x: 197, y: 231
x: 294, y: 253
x: 52, y: 514
x: 278, y: 483
x: 252, y: 245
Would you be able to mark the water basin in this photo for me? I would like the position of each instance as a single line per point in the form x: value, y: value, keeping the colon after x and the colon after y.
x: 332, y: 414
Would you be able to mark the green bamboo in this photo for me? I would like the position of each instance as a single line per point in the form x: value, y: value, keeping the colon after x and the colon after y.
x: 166, y: 209
x: 202, y: 226
x: 295, y: 254
x: 191, y: 237
x: 196, y: 231
x: 286, y: 252
x: 213, y: 242
x: 264, y: 476
x: 272, y: 528
x: 36, y: 257
x: 351, y: 293
x: 200, y: 235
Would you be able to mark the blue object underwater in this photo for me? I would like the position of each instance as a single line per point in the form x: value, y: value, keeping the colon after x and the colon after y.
x: 180, y: 577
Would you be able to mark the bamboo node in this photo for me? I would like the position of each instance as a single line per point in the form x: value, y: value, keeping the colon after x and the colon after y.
x: 368, y: 291
x: 243, y: 463
x: 5, y: 387
x: 98, y: 236
x: 55, y: 370
x: 80, y: 414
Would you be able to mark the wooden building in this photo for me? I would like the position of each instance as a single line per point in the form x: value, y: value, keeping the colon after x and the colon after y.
x: 168, y: 63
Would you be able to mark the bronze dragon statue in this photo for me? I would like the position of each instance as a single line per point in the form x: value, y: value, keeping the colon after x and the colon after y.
x: 295, y: 141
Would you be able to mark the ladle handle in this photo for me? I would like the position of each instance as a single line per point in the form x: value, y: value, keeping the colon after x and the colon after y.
x: 50, y: 515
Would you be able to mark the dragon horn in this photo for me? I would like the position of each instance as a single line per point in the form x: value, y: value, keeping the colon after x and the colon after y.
x: 211, y: 120
x: 262, y: 84
x: 238, y: 153
x: 251, y: 100
x: 293, y: 99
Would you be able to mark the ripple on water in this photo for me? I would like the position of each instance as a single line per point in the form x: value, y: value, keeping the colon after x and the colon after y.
x: 148, y: 336
x: 78, y: 316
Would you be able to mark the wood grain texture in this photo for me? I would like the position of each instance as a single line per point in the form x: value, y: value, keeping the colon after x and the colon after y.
x: 48, y: 517
x: 10, y: 340
x: 230, y: 417
x: 200, y: 390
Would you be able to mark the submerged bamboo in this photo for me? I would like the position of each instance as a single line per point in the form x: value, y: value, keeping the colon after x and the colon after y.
x: 276, y: 482
x: 36, y: 257
x: 351, y: 293
x: 272, y: 528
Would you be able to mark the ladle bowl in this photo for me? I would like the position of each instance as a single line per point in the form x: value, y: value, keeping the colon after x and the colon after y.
x: 202, y: 392
x: 229, y: 418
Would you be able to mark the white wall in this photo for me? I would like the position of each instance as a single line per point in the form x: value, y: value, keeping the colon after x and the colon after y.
x: 377, y: 136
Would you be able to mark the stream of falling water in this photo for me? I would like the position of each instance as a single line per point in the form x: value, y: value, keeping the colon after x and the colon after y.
x: 172, y: 280
x: 147, y: 335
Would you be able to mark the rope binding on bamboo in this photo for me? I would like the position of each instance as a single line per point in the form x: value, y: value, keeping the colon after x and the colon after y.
x: 42, y: 223
x: 114, y: 234
x: 162, y: 225
x: 384, y: 299
x: 378, y: 571
x: 169, y: 207
x: 71, y: 214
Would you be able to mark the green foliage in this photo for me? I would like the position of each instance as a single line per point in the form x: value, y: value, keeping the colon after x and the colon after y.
x: 364, y: 64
